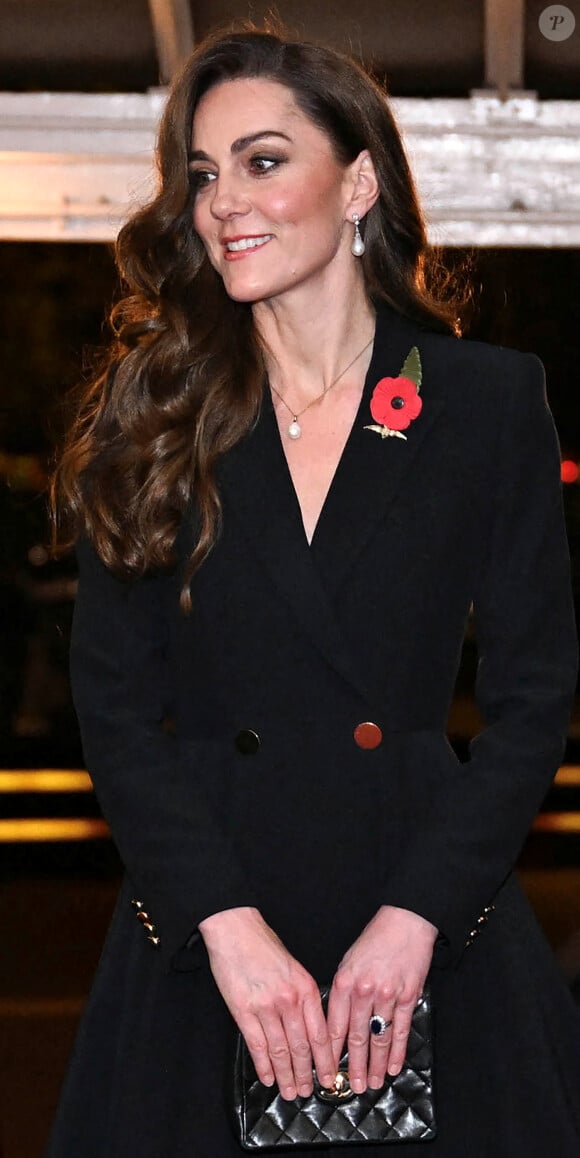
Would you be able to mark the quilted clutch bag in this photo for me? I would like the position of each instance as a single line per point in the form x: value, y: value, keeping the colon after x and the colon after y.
x: 401, y: 1111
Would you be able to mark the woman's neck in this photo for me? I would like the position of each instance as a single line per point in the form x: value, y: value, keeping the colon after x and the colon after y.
x: 308, y: 343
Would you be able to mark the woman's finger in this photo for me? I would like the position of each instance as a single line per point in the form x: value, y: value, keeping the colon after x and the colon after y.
x: 300, y: 1053
x: 320, y: 1042
x: 257, y: 1044
x: 338, y: 1019
x: 279, y: 1053
x: 379, y: 1047
x: 361, y: 1009
x: 402, y: 1018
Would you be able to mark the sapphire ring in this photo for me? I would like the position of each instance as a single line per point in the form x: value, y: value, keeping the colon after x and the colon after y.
x: 378, y: 1026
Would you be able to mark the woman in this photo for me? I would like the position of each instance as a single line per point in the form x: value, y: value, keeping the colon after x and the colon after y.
x: 279, y: 547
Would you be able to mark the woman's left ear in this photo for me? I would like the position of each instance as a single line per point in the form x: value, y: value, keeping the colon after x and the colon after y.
x: 365, y: 186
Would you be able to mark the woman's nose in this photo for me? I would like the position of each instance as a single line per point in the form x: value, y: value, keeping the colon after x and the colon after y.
x: 227, y: 199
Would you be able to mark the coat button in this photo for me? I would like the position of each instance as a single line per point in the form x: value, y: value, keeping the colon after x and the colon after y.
x: 368, y: 735
x: 247, y: 742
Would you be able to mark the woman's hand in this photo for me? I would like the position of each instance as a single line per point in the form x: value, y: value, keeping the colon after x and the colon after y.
x: 273, y: 999
x: 384, y: 973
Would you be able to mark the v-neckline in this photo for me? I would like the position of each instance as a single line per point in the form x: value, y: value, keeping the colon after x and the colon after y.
x: 260, y: 501
x: 271, y: 414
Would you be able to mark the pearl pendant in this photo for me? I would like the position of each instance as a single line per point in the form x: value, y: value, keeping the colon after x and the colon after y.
x: 358, y: 246
x: 295, y: 429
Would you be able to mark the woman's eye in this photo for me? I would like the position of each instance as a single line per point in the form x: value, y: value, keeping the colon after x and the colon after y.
x: 263, y: 163
x: 200, y: 178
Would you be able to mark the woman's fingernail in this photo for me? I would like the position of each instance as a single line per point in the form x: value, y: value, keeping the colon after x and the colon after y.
x: 289, y: 1093
x: 305, y: 1090
x: 357, y: 1086
x: 327, y: 1081
x: 394, y: 1070
x: 375, y: 1083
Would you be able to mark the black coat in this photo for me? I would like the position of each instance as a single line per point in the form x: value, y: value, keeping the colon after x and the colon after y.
x: 298, y: 645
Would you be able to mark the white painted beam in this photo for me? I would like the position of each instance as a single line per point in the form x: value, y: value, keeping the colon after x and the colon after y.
x: 70, y: 196
x: 73, y: 164
x: 488, y: 172
x: 492, y: 172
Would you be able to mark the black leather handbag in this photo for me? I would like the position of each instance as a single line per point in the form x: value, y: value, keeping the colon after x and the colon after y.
x: 401, y: 1111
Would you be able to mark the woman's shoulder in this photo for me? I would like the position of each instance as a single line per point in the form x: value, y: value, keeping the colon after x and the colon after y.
x: 478, y: 354
x: 460, y: 363
x: 475, y: 369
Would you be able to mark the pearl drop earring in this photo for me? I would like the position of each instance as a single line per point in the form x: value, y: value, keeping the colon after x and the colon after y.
x: 358, y: 245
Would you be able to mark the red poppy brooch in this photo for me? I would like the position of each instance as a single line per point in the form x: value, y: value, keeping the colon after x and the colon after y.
x: 396, y: 402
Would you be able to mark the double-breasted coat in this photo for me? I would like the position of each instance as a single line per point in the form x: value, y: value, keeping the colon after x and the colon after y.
x: 260, y: 795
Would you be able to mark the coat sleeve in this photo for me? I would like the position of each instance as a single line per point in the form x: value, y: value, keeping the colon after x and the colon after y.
x: 177, y: 856
x: 526, y: 678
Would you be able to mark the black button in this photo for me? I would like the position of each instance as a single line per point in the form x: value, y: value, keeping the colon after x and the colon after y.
x: 247, y: 742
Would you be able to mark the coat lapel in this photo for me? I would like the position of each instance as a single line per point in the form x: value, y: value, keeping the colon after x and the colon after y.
x: 257, y: 490
x: 372, y: 470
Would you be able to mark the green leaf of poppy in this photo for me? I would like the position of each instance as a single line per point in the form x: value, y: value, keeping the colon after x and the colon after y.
x: 412, y: 367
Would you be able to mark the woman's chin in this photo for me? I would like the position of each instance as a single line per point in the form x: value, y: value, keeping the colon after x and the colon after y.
x: 245, y: 291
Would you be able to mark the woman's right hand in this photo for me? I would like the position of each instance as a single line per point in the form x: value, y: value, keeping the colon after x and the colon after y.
x: 273, y: 999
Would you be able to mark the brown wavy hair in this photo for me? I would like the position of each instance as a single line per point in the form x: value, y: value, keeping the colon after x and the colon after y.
x: 183, y: 377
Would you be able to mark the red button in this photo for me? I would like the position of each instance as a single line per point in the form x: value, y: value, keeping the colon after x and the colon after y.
x: 368, y: 735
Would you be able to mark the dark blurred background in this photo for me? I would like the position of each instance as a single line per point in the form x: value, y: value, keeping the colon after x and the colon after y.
x: 58, y: 869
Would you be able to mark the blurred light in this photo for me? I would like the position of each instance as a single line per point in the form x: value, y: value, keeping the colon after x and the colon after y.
x: 569, y: 471
x: 557, y: 822
x: 38, y: 555
x: 44, y: 780
x: 48, y: 829
x: 23, y: 471
x: 568, y: 776
x: 41, y: 1007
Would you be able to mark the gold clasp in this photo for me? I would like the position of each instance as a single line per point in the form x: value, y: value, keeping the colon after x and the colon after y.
x: 340, y: 1091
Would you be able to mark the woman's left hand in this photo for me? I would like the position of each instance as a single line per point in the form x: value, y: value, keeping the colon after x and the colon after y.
x: 382, y: 973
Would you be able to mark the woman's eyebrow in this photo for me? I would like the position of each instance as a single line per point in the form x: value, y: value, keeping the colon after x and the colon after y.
x: 241, y: 143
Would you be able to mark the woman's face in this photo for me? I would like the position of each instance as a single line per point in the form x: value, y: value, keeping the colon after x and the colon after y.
x: 270, y: 199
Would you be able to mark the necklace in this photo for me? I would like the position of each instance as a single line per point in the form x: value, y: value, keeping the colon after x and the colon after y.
x: 295, y: 429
